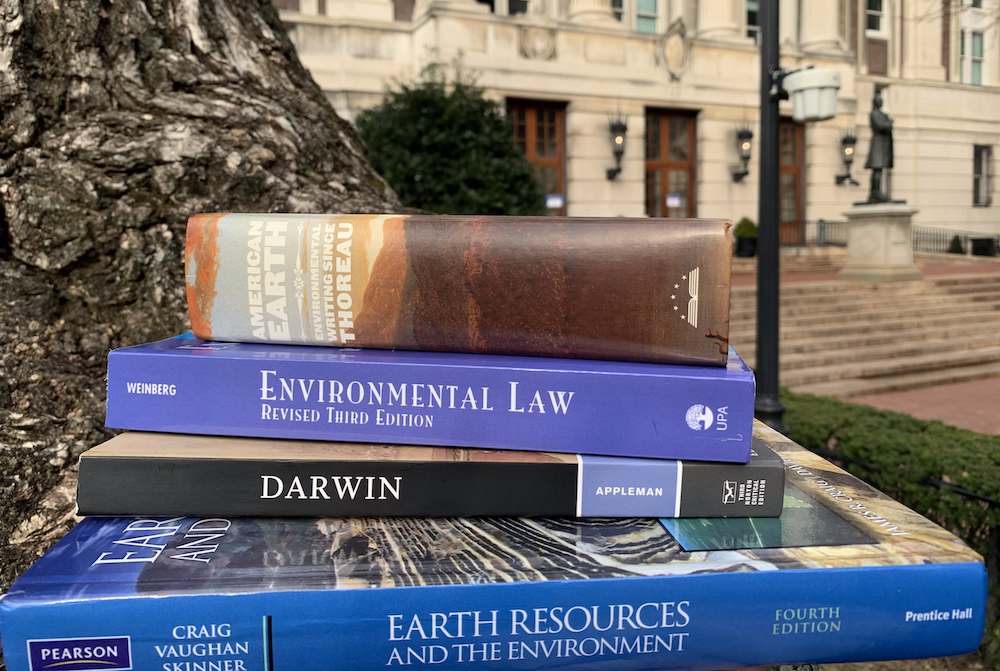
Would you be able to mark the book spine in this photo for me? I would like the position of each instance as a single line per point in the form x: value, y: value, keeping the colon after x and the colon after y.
x: 513, y: 408
x: 663, y: 622
x: 627, y: 289
x: 597, y: 487
x: 627, y: 487
x: 261, y: 488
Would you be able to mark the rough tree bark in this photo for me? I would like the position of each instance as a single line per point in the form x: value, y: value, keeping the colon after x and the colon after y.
x: 118, y: 120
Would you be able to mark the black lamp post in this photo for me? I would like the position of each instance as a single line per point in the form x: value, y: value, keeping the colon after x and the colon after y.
x: 618, y: 129
x: 768, y: 408
x: 744, y: 137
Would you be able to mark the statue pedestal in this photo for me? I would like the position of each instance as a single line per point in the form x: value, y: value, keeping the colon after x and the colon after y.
x: 879, y: 246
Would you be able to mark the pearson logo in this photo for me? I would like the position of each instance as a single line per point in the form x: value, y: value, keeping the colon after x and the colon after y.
x: 699, y: 417
x: 80, y: 654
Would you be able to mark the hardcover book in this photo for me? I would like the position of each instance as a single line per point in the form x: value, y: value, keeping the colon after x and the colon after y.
x: 844, y: 574
x: 139, y: 473
x: 610, y: 408
x: 626, y: 289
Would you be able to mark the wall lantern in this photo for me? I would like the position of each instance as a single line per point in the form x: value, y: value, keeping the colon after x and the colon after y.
x: 744, y: 143
x: 618, y: 129
x: 847, y: 142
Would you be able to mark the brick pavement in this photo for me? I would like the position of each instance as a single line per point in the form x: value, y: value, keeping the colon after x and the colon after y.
x: 970, y: 405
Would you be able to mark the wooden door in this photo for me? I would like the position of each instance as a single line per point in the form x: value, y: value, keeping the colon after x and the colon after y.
x: 670, y: 161
x: 791, y: 210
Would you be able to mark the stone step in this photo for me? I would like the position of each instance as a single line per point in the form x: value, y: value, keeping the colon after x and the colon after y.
x: 869, y: 311
x: 884, y: 351
x: 847, y: 297
x: 901, y: 327
x: 890, y: 368
x: 838, y: 286
x: 748, y: 299
x: 851, y: 338
x: 834, y: 288
x: 845, y: 389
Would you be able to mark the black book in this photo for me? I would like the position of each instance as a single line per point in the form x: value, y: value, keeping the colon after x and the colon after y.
x: 140, y: 473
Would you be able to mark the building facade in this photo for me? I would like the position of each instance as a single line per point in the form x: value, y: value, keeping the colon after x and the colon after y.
x: 683, y: 76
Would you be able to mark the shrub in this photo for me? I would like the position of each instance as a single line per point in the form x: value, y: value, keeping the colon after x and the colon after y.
x: 446, y: 149
x: 950, y: 475
x: 956, y: 246
x: 745, y: 228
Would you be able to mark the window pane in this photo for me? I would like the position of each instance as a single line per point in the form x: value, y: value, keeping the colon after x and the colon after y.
x: 676, y: 198
x: 788, y: 205
x: 549, y: 179
x: 652, y: 137
x: 978, y: 4
x: 646, y: 7
x: 789, y: 154
x: 981, y: 170
x: 616, y: 9
x: 545, y: 134
x: 678, y: 147
x: 976, y: 76
x: 645, y: 24
x: 517, y: 7
x: 977, y: 45
x: 874, y: 13
x: 520, y: 123
x: 654, y: 193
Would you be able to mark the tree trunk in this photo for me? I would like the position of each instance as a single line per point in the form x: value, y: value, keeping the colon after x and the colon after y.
x: 118, y: 120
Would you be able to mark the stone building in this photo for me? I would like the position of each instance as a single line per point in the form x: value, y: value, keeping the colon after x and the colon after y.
x: 683, y: 75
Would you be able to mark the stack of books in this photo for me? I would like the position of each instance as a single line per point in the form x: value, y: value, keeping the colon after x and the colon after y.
x: 529, y: 447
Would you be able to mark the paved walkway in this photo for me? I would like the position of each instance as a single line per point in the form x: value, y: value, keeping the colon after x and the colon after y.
x: 968, y: 405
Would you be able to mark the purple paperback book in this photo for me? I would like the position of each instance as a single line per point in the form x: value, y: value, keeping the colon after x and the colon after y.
x: 612, y: 408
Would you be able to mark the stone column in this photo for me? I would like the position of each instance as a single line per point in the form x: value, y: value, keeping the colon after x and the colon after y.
x: 922, y: 40
x: 820, y: 27
x: 593, y: 12
x: 879, y: 243
x: 720, y: 20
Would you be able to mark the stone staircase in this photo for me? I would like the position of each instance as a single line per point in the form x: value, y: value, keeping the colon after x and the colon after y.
x: 849, y: 339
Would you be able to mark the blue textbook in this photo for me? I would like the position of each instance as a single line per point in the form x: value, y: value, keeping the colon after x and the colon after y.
x: 845, y: 574
x: 611, y: 408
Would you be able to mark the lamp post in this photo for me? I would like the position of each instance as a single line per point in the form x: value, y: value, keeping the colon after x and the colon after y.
x: 768, y: 408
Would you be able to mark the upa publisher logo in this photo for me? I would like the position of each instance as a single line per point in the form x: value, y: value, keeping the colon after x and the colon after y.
x: 80, y: 654
x: 699, y: 417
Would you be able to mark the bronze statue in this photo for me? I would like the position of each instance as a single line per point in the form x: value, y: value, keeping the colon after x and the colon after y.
x: 879, y: 152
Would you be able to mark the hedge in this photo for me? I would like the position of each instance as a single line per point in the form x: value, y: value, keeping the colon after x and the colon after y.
x: 950, y: 475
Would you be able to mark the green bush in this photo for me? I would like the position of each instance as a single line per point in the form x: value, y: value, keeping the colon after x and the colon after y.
x: 745, y: 228
x: 947, y: 474
x: 444, y: 148
x: 950, y: 475
x: 956, y: 246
